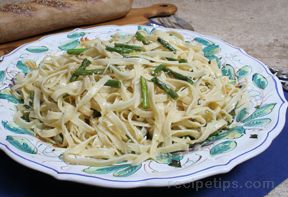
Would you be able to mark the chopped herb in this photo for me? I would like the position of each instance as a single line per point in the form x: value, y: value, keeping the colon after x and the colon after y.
x: 173, y: 59
x: 182, y: 61
x: 31, y: 95
x: 96, y: 114
x: 26, y: 117
x: 113, y: 83
x: 27, y: 106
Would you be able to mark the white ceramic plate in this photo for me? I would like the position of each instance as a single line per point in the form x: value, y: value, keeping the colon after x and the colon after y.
x: 219, y: 154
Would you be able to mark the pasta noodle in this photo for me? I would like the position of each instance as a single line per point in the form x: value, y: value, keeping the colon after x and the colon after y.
x: 126, y: 99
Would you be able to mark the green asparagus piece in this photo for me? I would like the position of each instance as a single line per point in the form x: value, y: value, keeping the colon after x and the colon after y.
x: 89, y: 72
x: 127, y: 46
x: 166, y: 44
x: 76, y: 51
x: 119, y: 50
x: 158, y: 69
x: 141, y: 38
x: 144, y: 92
x: 85, y: 63
x: 172, y: 73
x: 165, y: 88
x: 113, y: 83
x: 177, y: 75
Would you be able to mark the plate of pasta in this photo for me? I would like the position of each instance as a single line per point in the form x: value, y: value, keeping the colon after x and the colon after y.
x: 131, y: 106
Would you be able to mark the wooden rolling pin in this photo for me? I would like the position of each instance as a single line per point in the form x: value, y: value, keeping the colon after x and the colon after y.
x: 24, y: 19
x: 135, y: 16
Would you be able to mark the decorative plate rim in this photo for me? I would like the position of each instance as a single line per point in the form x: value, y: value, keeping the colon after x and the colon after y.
x: 173, y: 180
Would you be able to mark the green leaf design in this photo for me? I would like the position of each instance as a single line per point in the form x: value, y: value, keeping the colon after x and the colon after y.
x: 127, y: 171
x: 214, y: 57
x: 104, y: 170
x: 69, y: 45
x: 10, y: 98
x: 232, y: 133
x: 148, y: 30
x: 211, y: 50
x: 223, y: 147
x: 117, y: 170
x: 202, y: 41
x: 241, y: 114
x: 2, y: 75
x: 74, y: 35
x: 168, y: 158
x: 22, y: 67
x: 261, y: 111
x: 22, y: 144
x: 16, y: 129
x: 257, y: 122
x: 243, y: 72
x: 37, y: 49
x: 228, y: 71
x: 259, y: 81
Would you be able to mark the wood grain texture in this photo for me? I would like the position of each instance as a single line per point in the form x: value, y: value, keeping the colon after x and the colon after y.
x: 135, y: 16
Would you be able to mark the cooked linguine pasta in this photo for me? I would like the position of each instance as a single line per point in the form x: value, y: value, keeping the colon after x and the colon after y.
x: 127, y: 99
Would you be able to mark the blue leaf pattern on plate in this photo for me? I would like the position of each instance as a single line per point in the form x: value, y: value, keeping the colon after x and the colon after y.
x: 243, y: 72
x: 74, y: 35
x: 167, y: 158
x: 104, y: 170
x: 123, y: 170
x: 69, y: 45
x: 2, y: 75
x: 241, y: 114
x: 37, y: 49
x: 261, y: 111
x: 228, y: 71
x: 148, y: 30
x: 128, y: 171
x: 10, y: 98
x: 15, y: 129
x: 223, y: 147
x: 211, y: 50
x: 22, y: 67
x: 232, y: 133
x: 259, y: 81
x: 202, y: 41
x: 22, y: 144
x: 257, y: 122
